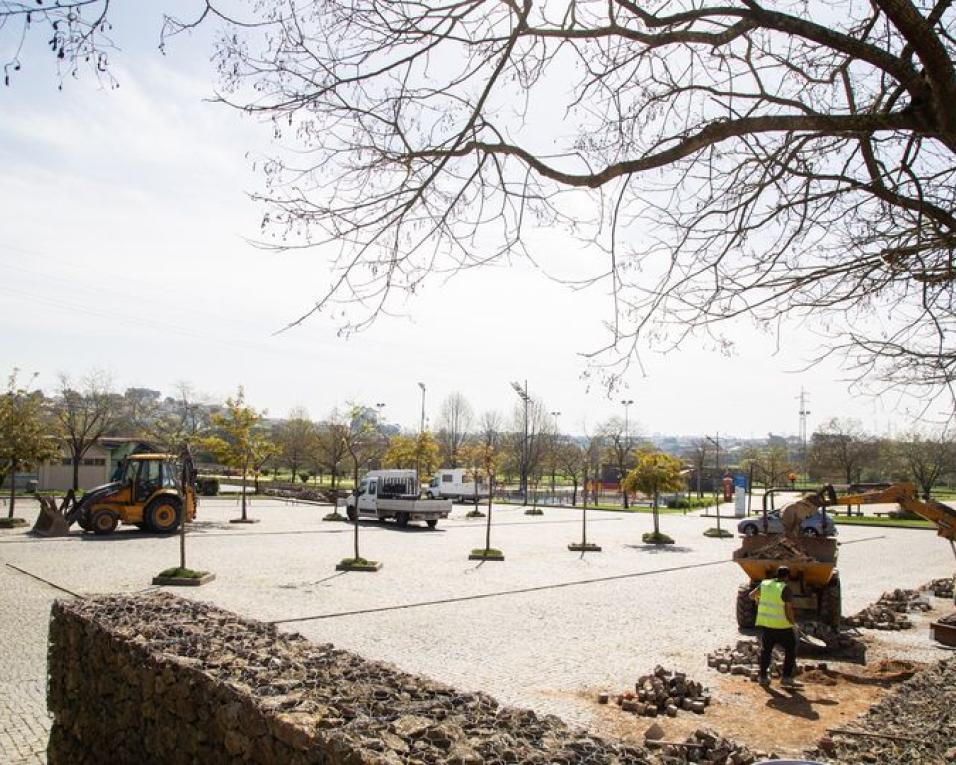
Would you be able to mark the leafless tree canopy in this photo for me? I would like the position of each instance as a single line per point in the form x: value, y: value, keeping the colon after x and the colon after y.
x: 733, y: 158
x: 788, y: 158
x: 454, y: 423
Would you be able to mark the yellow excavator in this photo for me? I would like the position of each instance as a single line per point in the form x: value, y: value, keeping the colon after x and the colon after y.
x: 811, y: 560
x: 155, y: 492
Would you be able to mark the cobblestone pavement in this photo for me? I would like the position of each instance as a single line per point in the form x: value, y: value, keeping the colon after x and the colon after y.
x: 542, y: 629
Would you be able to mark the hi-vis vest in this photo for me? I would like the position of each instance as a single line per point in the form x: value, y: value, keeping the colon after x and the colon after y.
x: 770, y: 608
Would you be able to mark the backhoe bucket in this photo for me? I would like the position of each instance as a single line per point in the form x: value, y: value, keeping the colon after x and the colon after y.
x: 51, y: 522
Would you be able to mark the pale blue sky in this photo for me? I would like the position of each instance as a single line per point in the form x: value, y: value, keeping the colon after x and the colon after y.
x: 123, y: 248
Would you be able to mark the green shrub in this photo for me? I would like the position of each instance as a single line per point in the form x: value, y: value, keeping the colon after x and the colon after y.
x: 678, y: 503
x: 207, y: 486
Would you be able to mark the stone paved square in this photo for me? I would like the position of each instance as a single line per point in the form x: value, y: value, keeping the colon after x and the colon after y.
x: 543, y: 629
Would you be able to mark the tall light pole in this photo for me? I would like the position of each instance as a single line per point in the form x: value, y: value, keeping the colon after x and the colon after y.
x: 804, y: 401
x: 716, y: 442
x: 627, y: 447
x: 421, y: 439
x: 379, y: 426
x: 523, y: 395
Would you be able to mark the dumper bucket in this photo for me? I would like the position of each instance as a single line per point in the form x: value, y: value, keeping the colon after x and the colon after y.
x: 52, y: 520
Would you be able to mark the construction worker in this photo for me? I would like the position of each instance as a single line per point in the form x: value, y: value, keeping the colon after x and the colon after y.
x: 775, y: 625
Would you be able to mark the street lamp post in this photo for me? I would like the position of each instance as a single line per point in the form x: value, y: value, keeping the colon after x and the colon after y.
x: 523, y: 395
x: 421, y: 439
x: 627, y: 448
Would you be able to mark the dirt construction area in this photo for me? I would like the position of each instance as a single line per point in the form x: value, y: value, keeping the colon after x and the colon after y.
x: 549, y: 629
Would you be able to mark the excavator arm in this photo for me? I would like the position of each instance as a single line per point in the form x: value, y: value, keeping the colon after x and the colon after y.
x: 904, y: 494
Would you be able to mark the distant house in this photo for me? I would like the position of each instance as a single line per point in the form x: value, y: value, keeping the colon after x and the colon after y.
x: 96, y: 468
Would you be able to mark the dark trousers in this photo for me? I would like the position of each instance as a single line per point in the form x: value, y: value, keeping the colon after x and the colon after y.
x: 787, y: 640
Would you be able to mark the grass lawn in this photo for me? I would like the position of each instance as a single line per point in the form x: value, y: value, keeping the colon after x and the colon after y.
x: 874, y: 520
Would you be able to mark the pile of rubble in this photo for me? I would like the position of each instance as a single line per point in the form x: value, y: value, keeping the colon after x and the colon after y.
x: 913, y: 724
x: 662, y: 693
x: 878, y: 617
x: 707, y: 746
x: 780, y: 549
x: 744, y: 659
x: 903, y: 601
x: 948, y: 619
x: 941, y: 588
x: 889, y: 612
x: 187, y: 682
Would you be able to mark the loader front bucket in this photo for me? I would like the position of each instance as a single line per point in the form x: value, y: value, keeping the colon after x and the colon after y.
x: 51, y: 521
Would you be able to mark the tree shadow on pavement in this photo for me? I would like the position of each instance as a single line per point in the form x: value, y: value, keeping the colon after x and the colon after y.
x: 660, y: 548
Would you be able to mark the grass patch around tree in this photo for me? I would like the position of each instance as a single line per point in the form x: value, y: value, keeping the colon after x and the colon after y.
x: 650, y: 538
x: 182, y: 573
x: 474, y: 514
x: 716, y: 533
x: 12, y: 523
x: 486, y: 553
x: 357, y: 564
x: 334, y: 516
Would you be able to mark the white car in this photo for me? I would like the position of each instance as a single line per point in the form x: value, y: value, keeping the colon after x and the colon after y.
x: 813, y: 526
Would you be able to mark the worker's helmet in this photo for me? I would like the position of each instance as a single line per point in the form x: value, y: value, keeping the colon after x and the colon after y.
x: 783, y: 572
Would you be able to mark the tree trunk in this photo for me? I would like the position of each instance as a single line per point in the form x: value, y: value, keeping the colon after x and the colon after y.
x: 584, y: 509
x: 13, y: 488
x: 574, y: 496
x: 245, y: 468
x: 356, y: 522
x: 76, y: 473
x: 657, y: 525
x: 491, y: 483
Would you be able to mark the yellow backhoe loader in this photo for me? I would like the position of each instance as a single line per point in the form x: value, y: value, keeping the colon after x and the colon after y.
x: 155, y: 492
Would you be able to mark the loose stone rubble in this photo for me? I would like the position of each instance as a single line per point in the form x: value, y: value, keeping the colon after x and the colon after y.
x: 744, y: 659
x: 707, y: 746
x: 911, y: 725
x: 948, y: 619
x: 941, y: 588
x: 662, y: 693
x: 159, y: 679
x: 889, y: 612
x: 780, y: 549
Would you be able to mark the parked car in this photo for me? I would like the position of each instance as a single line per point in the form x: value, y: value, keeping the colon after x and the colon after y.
x: 817, y: 525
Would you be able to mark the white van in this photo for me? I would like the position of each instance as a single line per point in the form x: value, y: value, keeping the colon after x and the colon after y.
x: 456, y: 484
x: 384, y: 494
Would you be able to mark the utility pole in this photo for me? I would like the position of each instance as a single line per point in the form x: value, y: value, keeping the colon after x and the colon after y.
x: 627, y: 448
x: 421, y: 441
x: 804, y: 402
x: 523, y: 395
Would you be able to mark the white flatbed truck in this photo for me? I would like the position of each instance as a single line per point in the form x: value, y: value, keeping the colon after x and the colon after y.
x: 387, y: 494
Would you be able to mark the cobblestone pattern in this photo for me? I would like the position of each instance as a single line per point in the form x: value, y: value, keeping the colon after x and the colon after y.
x: 550, y: 649
x: 24, y: 722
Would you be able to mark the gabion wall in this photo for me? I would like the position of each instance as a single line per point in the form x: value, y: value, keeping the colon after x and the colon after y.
x: 160, y: 679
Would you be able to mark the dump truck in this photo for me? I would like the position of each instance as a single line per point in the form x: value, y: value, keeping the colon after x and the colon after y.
x: 155, y: 492
x: 815, y: 581
x: 385, y: 494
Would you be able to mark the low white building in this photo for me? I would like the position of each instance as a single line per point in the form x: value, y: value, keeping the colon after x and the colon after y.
x: 96, y: 467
